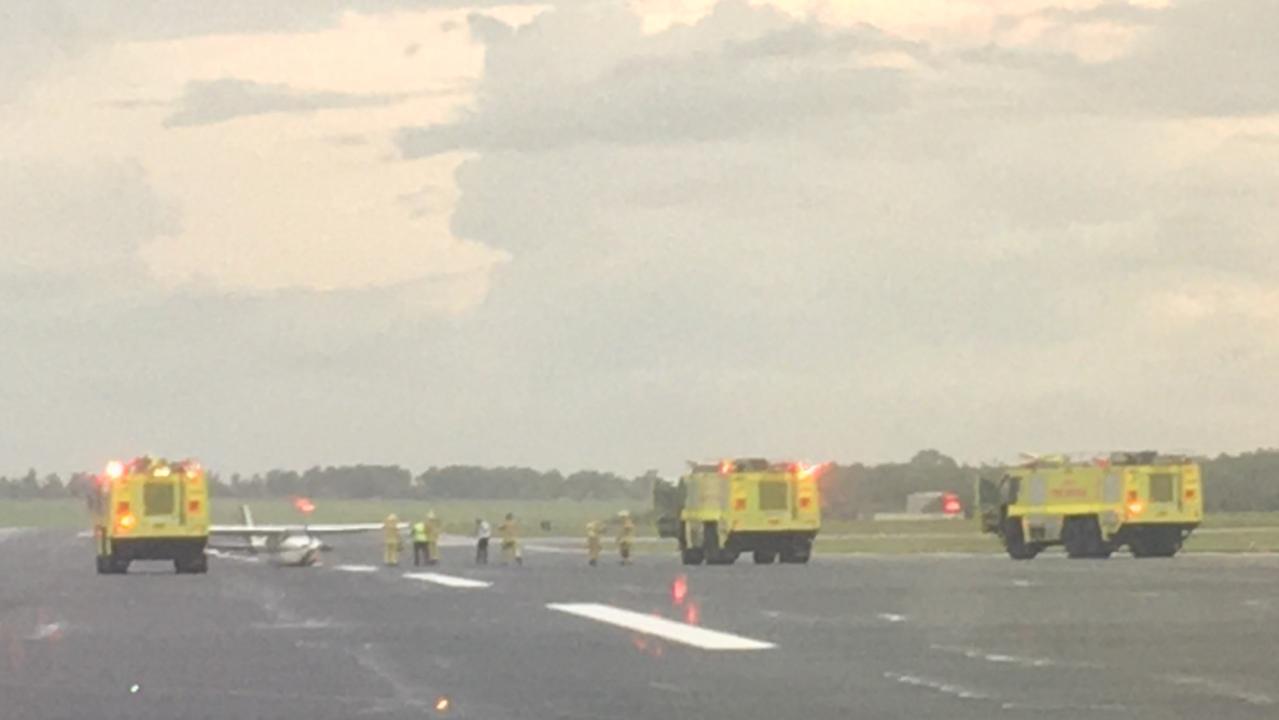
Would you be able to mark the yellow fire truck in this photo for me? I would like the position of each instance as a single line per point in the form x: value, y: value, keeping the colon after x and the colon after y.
x: 150, y: 509
x: 718, y: 511
x: 1146, y: 501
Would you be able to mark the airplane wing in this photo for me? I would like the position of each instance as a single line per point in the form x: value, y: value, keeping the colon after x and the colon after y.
x: 268, y: 530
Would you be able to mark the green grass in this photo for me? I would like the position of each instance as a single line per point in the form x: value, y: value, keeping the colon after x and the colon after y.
x: 567, y: 517
x: 1241, y: 519
x: 1260, y: 539
x: 974, y: 543
x: 1224, y: 532
x: 43, y: 513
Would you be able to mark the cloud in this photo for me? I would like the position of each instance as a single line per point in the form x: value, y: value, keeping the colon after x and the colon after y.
x: 744, y: 72
x: 208, y: 102
x: 78, y: 220
x: 203, y: 373
x: 33, y: 35
x: 750, y: 217
x: 1207, y: 58
x: 754, y: 233
x: 1192, y: 59
x: 36, y: 35
x: 159, y: 19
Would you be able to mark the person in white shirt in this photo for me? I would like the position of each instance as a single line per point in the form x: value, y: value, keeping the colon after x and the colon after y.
x: 483, y: 531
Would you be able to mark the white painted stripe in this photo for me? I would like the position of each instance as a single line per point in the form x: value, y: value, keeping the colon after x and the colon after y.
x: 46, y: 631
x: 356, y: 568
x: 8, y: 532
x: 213, y: 552
x: 661, y: 627
x: 452, y: 581
x: 534, y: 547
x: 891, y: 617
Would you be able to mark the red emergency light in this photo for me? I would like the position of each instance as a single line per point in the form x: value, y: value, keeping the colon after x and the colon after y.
x: 950, y: 504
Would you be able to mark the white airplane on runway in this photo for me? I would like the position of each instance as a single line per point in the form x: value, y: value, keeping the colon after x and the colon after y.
x: 285, y: 545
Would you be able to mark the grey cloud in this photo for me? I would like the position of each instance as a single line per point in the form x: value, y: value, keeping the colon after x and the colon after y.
x: 1113, y: 11
x: 1208, y: 58
x: 33, y: 35
x: 207, y: 102
x: 82, y: 220
x: 1195, y: 58
x: 36, y: 34
x: 488, y: 29
x: 160, y: 19
x: 958, y: 257
x: 967, y: 257
x: 687, y: 89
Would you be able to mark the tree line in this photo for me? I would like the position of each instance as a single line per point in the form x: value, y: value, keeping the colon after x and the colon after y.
x: 1231, y: 483
x: 1244, y: 482
x: 454, y: 482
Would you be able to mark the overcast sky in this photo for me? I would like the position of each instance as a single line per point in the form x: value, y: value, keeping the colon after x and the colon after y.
x: 599, y: 234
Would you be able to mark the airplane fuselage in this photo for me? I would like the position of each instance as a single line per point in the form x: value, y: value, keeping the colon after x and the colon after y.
x: 294, y: 550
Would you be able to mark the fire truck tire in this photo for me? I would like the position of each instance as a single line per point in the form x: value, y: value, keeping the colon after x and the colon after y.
x: 1155, y: 543
x: 715, y: 555
x: 193, y: 565
x: 764, y: 557
x: 1082, y: 537
x: 1015, y: 543
x: 797, y: 553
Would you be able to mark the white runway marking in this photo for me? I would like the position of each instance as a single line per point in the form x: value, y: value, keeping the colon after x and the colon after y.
x: 1221, y: 689
x: 84, y: 534
x: 6, y: 533
x: 945, y: 688
x: 551, y: 549
x: 46, y: 631
x: 973, y: 653
x: 661, y: 627
x: 356, y: 568
x: 891, y: 617
x: 452, y: 581
x: 212, y: 552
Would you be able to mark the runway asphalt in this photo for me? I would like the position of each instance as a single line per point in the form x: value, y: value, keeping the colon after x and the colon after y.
x: 909, y: 637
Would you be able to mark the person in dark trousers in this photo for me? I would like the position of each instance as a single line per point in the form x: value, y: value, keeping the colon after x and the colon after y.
x: 432, y: 539
x: 483, y: 532
x: 421, y: 547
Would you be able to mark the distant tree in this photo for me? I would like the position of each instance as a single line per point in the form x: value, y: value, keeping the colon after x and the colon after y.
x: 52, y: 487
x: 80, y: 484
x: 642, y: 486
x: 29, y: 486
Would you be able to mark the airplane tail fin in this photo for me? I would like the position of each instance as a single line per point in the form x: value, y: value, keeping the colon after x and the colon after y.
x: 256, y: 542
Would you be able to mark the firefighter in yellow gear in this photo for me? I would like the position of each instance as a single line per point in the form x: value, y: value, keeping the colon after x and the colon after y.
x: 626, y: 537
x: 510, y: 541
x: 593, y: 544
x: 391, y: 536
x: 432, y: 539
